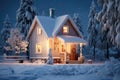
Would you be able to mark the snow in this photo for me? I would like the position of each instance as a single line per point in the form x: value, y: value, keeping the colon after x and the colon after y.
x: 51, y: 26
x: 59, y: 23
x: 72, y: 39
x: 47, y: 24
x: 33, y: 71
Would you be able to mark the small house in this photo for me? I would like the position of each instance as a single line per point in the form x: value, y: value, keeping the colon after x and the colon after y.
x: 59, y: 34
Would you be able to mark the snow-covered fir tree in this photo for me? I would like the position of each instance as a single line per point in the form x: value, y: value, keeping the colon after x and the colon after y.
x: 50, y: 58
x: 16, y: 42
x: 5, y: 32
x: 117, y: 38
x: 92, y: 32
x: 25, y: 15
x: 109, y: 19
x: 109, y: 15
x: 77, y: 21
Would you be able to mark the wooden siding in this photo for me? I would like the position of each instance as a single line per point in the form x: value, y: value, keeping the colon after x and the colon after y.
x: 38, y: 38
x: 72, y: 31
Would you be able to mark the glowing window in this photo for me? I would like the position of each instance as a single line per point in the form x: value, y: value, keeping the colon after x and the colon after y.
x: 62, y: 48
x: 65, y: 29
x: 38, y: 48
x: 39, y: 31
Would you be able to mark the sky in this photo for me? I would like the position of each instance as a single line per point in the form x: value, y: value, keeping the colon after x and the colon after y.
x: 62, y: 7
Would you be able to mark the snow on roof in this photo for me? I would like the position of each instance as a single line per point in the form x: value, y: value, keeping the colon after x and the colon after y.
x: 59, y: 22
x: 52, y: 25
x: 47, y: 23
x: 71, y: 39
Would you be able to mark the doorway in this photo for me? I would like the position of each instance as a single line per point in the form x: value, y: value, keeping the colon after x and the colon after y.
x: 73, y: 55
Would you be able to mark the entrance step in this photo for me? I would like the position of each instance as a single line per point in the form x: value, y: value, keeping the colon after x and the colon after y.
x: 74, y: 62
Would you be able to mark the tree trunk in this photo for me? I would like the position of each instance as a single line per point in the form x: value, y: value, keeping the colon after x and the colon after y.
x: 94, y: 51
x: 107, y: 52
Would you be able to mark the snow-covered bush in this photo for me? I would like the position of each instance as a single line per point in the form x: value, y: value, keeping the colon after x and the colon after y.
x: 110, y: 68
x: 16, y: 42
x: 39, y: 61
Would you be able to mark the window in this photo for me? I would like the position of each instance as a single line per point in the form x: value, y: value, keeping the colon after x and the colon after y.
x: 65, y: 29
x: 62, y: 48
x: 39, y: 31
x: 38, y: 48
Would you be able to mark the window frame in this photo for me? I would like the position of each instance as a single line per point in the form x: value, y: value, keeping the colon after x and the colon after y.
x: 38, y: 46
x: 39, y: 31
x: 65, y: 29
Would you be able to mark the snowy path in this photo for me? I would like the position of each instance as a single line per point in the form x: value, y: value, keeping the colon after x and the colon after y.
x: 50, y: 72
x: 53, y: 77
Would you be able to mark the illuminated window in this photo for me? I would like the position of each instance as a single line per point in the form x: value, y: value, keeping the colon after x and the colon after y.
x: 65, y: 29
x: 68, y: 49
x: 39, y: 31
x: 38, y: 48
x: 62, y: 48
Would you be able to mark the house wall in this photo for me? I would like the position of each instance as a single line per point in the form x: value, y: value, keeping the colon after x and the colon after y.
x: 72, y: 31
x: 38, y: 38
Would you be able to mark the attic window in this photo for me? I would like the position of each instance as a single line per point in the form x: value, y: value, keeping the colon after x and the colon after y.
x: 39, y: 31
x: 65, y: 29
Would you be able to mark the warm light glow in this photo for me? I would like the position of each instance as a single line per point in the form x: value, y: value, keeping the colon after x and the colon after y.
x: 39, y: 31
x: 65, y: 29
x: 38, y: 48
x: 48, y: 47
x: 68, y: 48
x: 62, y: 48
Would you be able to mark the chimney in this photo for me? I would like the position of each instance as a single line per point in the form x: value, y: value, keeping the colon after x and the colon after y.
x: 51, y: 12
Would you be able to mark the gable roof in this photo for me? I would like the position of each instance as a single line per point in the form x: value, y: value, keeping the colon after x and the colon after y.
x: 51, y: 26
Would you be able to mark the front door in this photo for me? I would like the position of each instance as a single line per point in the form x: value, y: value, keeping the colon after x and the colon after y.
x: 73, y: 55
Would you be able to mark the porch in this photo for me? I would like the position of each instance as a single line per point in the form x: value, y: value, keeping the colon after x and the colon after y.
x: 71, y: 49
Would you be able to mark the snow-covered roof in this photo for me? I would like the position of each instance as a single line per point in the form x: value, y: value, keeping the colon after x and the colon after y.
x: 71, y: 39
x: 47, y: 23
x: 51, y: 26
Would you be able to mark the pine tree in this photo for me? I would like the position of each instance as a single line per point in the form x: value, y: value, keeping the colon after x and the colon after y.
x: 92, y: 32
x: 25, y: 15
x: 77, y: 21
x: 5, y: 32
x: 109, y: 18
x: 117, y: 38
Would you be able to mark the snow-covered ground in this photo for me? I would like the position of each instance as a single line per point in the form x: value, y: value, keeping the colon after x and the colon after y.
x: 109, y: 70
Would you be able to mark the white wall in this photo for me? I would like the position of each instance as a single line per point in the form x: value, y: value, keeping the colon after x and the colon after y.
x: 41, y: 39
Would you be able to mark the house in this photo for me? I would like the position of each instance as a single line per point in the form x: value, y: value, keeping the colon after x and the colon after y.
x: 59, y: 34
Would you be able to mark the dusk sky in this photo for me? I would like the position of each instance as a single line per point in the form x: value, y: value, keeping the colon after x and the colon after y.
x: 61, y: 6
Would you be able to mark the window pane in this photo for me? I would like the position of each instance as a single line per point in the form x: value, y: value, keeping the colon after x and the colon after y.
x: 65, y: 29
x: 39, y: 31
x: 38, y: 48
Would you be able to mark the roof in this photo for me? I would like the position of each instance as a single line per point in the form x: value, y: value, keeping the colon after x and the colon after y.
x: 47, y: 23
x: 71, y: 39
x: 51, y: 26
